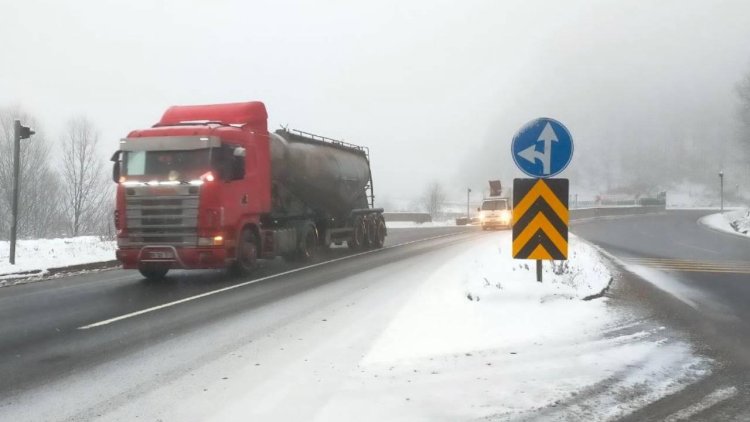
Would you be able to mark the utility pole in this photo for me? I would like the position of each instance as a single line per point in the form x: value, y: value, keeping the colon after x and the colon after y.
x: 468, y: 209
x: 19, y: 132
x: 721, y: 183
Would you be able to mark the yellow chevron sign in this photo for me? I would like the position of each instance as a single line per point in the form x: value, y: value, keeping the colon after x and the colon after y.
x: 540, y: 219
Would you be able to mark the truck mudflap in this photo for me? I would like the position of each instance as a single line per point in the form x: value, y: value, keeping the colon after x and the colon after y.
x: 168, y: 256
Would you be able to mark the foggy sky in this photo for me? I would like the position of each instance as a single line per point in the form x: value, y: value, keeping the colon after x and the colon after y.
x: 436, y: 89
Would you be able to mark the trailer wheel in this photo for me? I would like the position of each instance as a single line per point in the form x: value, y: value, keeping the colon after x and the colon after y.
x: 247, y: 253
x: 357, y: 238
x: 378, y: 240
x: 370, y: 227
x: 154, y: 273
x: 307, y: 247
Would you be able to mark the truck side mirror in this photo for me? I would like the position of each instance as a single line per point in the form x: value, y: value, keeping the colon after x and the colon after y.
x: 116, y: 166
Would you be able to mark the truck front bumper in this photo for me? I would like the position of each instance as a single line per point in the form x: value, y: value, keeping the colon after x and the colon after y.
x: 171, y: 257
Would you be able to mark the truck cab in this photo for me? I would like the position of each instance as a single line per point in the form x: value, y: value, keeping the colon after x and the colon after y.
x: 495, y: 212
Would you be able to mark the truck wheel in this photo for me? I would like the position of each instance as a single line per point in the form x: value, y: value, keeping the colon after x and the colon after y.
x: 247, y: 253
x: 154, y: 273
x: 370, y: 233
x: 308, y: 243
x: 378, y: 239
x: 357, y: 238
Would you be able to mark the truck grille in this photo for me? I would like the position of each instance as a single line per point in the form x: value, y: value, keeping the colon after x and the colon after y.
x: 160, y: 215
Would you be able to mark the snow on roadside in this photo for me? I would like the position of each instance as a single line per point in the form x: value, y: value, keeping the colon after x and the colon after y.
x: 412, y: 225
x: 482, y: 339
x: 42, y: 254
x: 734, y: 222
x: 484, y: 291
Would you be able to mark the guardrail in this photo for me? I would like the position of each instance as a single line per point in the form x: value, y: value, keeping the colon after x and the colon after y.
x: 584, y: 213
x: 416, y: 217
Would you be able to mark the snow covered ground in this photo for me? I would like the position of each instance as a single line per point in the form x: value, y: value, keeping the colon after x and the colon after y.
x: 687, y: 195
x: 41, y: 254
x: 734, y: 222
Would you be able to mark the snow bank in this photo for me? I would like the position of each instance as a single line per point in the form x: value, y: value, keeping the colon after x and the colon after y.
x: 734, y: 222
x: 412, y: 225
x: 484, y: 299
x: 42, y: 254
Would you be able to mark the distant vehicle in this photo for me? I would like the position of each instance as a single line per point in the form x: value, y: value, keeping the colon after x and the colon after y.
x: 495, y: 213
x: 210, y: 187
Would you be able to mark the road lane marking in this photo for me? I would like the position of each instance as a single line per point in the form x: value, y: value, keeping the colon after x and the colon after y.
x: 738, y: 267
x: 709, y: 401
x: 237, y: 286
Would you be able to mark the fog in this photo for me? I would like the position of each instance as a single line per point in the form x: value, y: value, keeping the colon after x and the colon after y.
x: 436, y: 89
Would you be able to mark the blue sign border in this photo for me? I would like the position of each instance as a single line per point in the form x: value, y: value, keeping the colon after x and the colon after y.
x: 530, y: 123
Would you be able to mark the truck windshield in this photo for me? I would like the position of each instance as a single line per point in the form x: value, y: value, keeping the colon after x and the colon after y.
x: 495, y: 205
x: 166, y: 165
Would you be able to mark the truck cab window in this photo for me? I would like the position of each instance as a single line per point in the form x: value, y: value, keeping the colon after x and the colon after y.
x: 166, y: 165
x: 136, y: 163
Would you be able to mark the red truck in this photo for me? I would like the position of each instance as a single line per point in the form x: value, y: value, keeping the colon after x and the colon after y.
x: 210, y: 187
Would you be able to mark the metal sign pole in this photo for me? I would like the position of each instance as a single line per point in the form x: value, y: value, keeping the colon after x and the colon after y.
x: 539, y: 270
x: 16, y: 171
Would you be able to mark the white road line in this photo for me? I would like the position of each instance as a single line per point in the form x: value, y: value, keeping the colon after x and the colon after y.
x: 710, y: 400
x: 237, y: 286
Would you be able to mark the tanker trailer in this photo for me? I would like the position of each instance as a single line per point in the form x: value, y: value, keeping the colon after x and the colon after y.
x: 328, y: 181
x: 209, y: 186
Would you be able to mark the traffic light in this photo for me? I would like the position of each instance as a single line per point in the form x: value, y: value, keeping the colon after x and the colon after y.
x: 26, y: 132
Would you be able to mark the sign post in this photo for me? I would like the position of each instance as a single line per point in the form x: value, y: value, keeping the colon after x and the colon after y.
x: 19, y: 132
x: 540, y: 203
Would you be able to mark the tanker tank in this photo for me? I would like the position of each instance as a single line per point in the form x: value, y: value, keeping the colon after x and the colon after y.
x: 329, y: 176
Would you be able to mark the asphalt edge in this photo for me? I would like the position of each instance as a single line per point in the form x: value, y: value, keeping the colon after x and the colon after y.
x: 33, y: 276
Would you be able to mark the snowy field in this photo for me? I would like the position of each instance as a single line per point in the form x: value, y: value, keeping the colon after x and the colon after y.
x: 734, y: 222
x: 41, y: 254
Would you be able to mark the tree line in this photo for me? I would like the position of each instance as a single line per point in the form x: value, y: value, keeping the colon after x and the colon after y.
x: 64, y: 187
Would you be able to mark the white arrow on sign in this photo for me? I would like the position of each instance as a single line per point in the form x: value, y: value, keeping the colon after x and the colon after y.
x: 531, y: 154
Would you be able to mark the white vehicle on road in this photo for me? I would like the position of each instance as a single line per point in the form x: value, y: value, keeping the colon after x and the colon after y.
x: 495, y: 213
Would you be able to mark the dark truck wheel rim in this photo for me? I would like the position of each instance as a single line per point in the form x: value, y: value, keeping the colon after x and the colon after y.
x: 248, y: 252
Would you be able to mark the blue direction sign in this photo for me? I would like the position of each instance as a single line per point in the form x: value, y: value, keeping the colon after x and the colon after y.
x: 542, y: 148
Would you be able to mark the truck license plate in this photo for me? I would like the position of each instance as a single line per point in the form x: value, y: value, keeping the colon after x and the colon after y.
x: 161, y: 255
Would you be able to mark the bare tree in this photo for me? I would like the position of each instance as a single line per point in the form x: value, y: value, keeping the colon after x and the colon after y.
x: 434, y: 199
x: 86, y: 189
x: 38, y: 206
